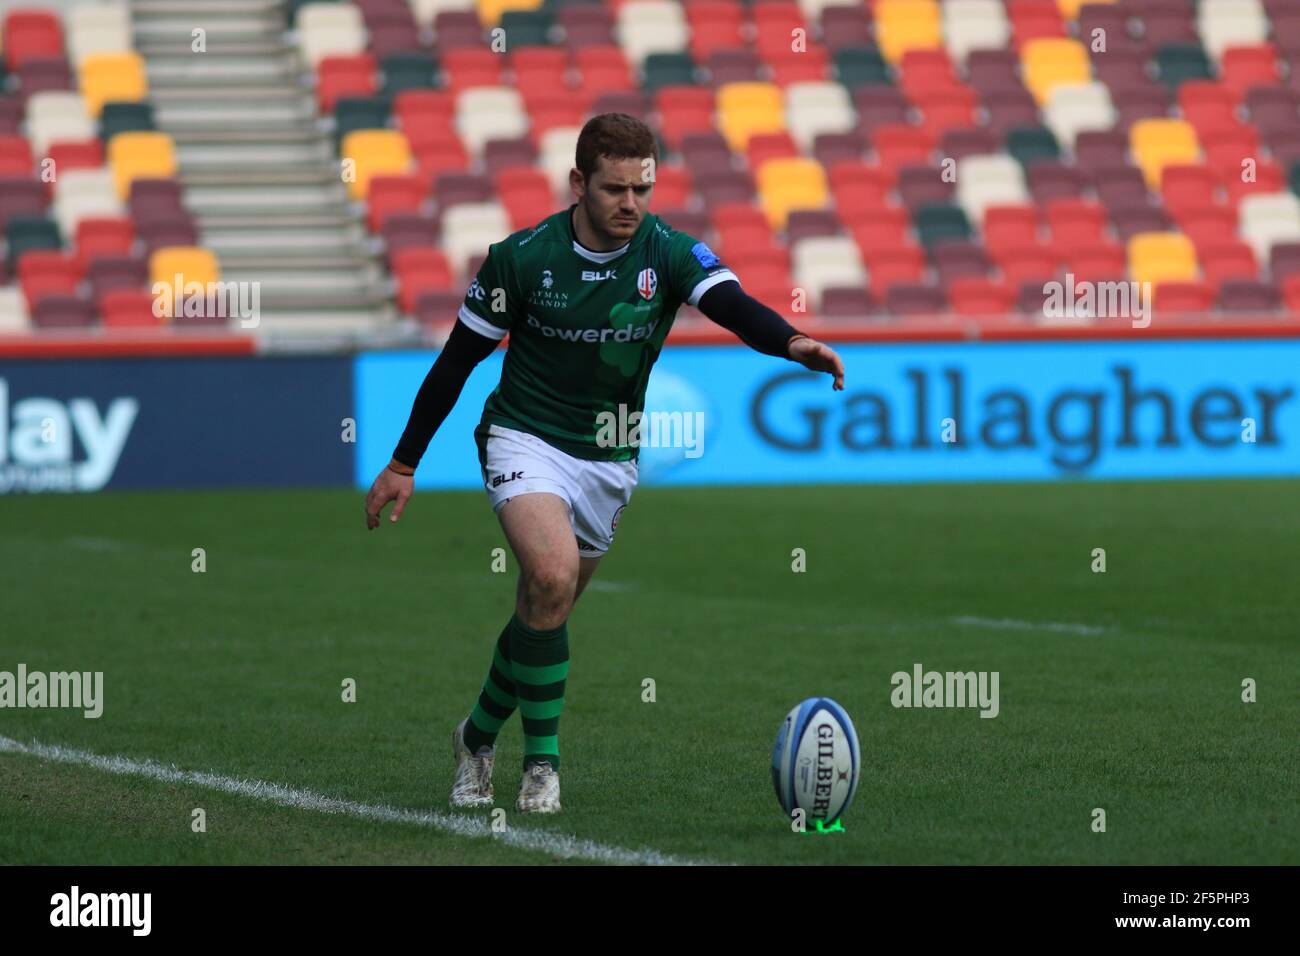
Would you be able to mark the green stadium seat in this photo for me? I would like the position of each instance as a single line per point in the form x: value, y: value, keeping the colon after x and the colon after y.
x: 25, y: 233
x: 360, y: 112
x: 408, y: 71
x: 1294, y: 178
x: 526, y: 28
x: 125, y: 118
x: 1179, y: 62
x: 1032, y: 144
x: 941, y: 223
x: 668, y: 69
x: 861, y: 66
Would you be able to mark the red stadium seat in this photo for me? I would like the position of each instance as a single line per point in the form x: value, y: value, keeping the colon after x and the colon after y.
x: 756, y: 261
x: 978, y: 297
x: 1245, y: 66
x: 1010, y: 225
x: 15, y: 156
x: 471, y: 66
x: 1209, y: 223
x: 1183, y: 297
x: 602, y: 68
x: 540, y: 67
x: 894, y: 265
x: 1184, y: 186
x: 1266, y: 177
x: 83, y: 154
x: 946, y: 109
x: 897, y: 144
x: 1099, y: 262
x: 30, y: 34
x: 1028, y: 263
x: 338, y: 76
x: 1076, y: 221
x: 394, y: 193
x: 1291, y: 293
x: 1226, y: 259
x: 765, y: 146
x: 889, y: 226
x: 103, y: 236
x: 420, y: 269
x: 128, y: 309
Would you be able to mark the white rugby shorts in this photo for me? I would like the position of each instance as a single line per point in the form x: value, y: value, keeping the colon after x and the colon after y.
x: 517, y: 463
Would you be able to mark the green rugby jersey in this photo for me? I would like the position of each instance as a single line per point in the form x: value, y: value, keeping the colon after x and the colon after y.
x: 585, y: 327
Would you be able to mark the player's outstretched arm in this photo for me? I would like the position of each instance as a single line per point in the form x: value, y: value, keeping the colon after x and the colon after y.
x: 764, y: 330
x: 464, y: 349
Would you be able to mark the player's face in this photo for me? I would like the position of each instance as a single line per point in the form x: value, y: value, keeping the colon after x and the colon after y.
x: 617, y: 197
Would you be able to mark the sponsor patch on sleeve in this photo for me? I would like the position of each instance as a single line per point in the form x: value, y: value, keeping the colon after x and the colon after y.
x: 704, y: 255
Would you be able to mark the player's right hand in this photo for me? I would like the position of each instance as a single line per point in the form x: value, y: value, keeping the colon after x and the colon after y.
x: 389, y: 486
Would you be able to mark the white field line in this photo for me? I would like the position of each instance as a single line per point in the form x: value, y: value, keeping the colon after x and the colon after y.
x: 556, y: 844
x: 1010, y: 624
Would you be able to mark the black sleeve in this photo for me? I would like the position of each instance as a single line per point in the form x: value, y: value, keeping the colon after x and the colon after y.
x: 761, y: 328
x: 464, y: 349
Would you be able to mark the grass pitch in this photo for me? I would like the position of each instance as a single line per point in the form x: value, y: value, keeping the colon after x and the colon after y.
x: 1119, y: 690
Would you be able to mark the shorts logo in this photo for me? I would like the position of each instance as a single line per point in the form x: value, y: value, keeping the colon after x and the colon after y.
x: 499, y: 480
x: 647, y: 283
x: 704, y: 255
x: 613, y: 525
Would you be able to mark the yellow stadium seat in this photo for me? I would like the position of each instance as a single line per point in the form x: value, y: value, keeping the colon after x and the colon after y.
x: 489, y: 11
x: 1048, y: 62
x: 370, y: 153
x: 175, y: 267
x: 140, y: 155
x: 1157, y: 257
x: 904, y: 25
x: 748, y: 108
x: 1070, y: 8
x: 1159, y: 142
x: 790, y: 183
x: 107, y: 77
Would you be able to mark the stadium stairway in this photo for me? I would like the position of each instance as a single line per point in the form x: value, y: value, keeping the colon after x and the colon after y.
x: 260, y: 174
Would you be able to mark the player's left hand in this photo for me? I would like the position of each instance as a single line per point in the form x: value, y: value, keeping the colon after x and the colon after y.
x: 819, y: 357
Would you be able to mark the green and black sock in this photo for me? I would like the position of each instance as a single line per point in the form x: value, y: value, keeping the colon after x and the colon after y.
x: 539, y: 662
x: 497, y: 700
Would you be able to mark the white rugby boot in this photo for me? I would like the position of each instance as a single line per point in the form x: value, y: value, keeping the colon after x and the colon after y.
x: 539, y: 791
x: 473, y: 785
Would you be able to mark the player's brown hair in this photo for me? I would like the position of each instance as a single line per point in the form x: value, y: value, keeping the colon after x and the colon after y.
x: 615, y: 136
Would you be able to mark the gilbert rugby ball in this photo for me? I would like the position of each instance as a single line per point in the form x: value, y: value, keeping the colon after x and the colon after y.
x: 816, y: 761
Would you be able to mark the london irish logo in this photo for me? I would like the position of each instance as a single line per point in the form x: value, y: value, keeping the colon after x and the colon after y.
x: 647, y: 283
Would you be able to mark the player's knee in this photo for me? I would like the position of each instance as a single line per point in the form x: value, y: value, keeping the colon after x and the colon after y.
x: 550, y: 590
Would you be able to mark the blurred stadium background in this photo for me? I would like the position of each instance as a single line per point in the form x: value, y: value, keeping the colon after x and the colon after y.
x: 915, y: 170
x: 806, y: 141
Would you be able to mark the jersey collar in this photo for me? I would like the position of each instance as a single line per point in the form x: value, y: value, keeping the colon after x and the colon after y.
x: 592, y: 254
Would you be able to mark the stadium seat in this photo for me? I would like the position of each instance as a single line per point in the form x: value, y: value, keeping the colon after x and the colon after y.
x: 119, y: 77
x: 975, y: 296
x: 1157, y: 143
x: 140, y: 154
x: 192, y: 263
x: 129, y: 309
x: 373, y: 152
x: 1161, y: 257
x: 1183, y: 297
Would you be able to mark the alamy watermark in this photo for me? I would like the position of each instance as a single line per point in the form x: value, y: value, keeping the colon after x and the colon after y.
x: 922, y: 688
x: 216, y: 299
x: 1101, y: 300
x: 75, y: 689
x: 654, y: 429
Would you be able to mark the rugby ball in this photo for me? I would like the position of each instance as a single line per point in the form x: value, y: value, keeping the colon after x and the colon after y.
x: 816, y: 761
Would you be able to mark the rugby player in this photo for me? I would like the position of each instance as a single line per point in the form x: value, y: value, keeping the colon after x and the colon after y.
x: 587, y: 296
